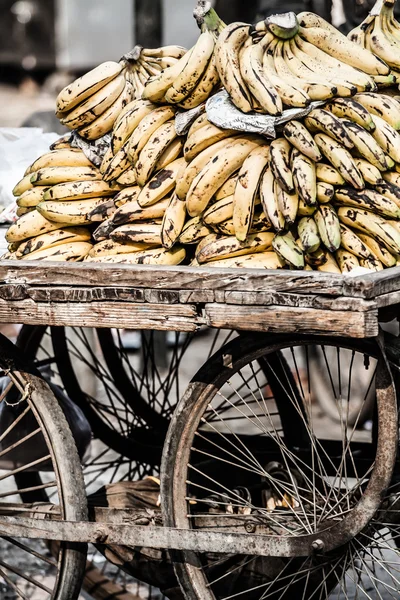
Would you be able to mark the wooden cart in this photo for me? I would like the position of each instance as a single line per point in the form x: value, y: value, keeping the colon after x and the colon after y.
x: 256, y: 502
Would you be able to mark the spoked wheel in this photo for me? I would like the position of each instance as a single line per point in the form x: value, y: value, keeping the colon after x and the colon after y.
x: 234, y: 462
x: 128, y: 399
x: 38, y: 461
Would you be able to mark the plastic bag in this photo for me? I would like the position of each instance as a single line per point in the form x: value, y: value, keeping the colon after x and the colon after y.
x: 19, y: 147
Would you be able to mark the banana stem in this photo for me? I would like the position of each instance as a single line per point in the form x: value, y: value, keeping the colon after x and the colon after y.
x: 132, y: 57
x: 207, y: 17
x: 378, y: 6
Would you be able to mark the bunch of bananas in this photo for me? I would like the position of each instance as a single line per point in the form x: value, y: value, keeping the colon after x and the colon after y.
x: 92, y: 103
x: 380, y: 33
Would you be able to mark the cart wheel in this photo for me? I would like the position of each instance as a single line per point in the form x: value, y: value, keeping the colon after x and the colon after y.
x: 230, y: 461
x: 39, y: 462
x: 128, y: 410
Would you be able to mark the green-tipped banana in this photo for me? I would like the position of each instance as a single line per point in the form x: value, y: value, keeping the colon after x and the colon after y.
x: 308, y: 234
x: 287, y: 249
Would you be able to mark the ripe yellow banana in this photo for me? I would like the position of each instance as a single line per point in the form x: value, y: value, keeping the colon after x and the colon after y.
x: 31, y: 198
x: 22, y: 210
x: 247, y: 186
x: 280, y: 150
x: 346, y: 260
x: 153, y: 150
x: 308, y: 234
x: 309, y: 77
x: 173, y: 221
x: 216, y: 172
x: 325, y: 192
x: 378, y: 250
x: 261, y: 260
x: 227, y: 189
x: 269, y: 190
x: 353, y: 243
x: 288, y: 204
x: 65, y: 157
x: 23, y: 185
x: 389, y: 191
x: 301, y: 139
x: 328, y: 174
x: 53, y: 238
x: 110, y: 248
x: 78, y: 190
x: 87, y: 85
x: 71, y: 252
x: 368, y: 147
x: 193, y: 231
x: 373, y: 264
x: 63, y: 142
x: 369, y: 172
x: 381, y: 105
x: 204, y: 138
x: 304, y: 210
x: 156, y: 87
x: 126, y: 123
x: 252, y: 71
x: 393, y: 178
x: 55, y: 175
x: 146, y: 232
x: 118, y: 165
x: 30, y: 225
x: 351, y: 110
x: 198, y: 123
x: 328, y: 227
x: 69, y: 213
x: 148, y: 125
x: 325, y: 121
x: 368, y: 199
x: 304, y: 177
x: 341, y: 159
x: 132, y: 211
x: 127, y: 179
x: 330, y: 265
x: 204, y: 88
x: 229, y: 246
x: 162, y: 183
x: 387, y: 137
x: 170, y: 154
x: 152, y: 256
x: 369, y: 223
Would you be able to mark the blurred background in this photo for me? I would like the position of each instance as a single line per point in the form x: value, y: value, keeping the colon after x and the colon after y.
x: 45, y: 43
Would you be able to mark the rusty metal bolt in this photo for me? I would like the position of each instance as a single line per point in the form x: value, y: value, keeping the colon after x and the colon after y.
x: 318, y: 546
x: 250, y: 527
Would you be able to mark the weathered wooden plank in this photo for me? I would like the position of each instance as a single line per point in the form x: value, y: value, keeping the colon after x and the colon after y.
x: 296, y: 300
x: 292, y: 320
x: 375, y: 284
x: 201, y: 296
x: 170, y: 278
x: 179, y: 317
x: 84, y: 295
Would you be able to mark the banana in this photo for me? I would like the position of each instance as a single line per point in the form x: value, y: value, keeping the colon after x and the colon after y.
x: 227, y: 189
x: 351, y: 110
x: 173, y: 51
x: 105, y: 122
x: 226, y: 228
x: 126, y: 123
x: 30, y: 225
x: 161, y: 184
x: 304, y: 177
x: 315, y: 90
x: 78, y: 190
x: 147, y: 127
x: 94, y: 106
x: 382, y: 45
x: 381, y: 105
x: 389, y: 191
x: 118, y: 165
x: 370, y: 173
x: 373, y: 264
x: 368, y: 199
x: 72, y: 252
x: 378, y: 250
x: 299, y: 69
x: 127, y: 179
x: 193, y: 71
x: 110, y: 248
x: 31, y: 198
x: 328, y: 174
x: 368, y: 147
x: 287, y: 249
x: 103, y: 231
x: 385, y: 81
x: 216, y: 172
x: 173, y: 221
x: 341, y: 159
x: 252, y: 71
x: 308, y: 234
x: 53, y: 238
x: 269, y: 193
x: 372, y: 225
x: 103, y: 211
x: 325, y: 192
x: 204, y: 138
x: 197, y: 165
x: 63, y: 142
x: 147, y: 232
x: 353, y: 243
x: 304, y: 210
x: 261, y: 260
x: 317, y: 258
x: 193, y: 231
x: 328, y: 227
x: 361, y: 81
x: 387, y: 137
x: 393, y: 178
x: 299, y: 136
x: 170, y: 154
x: 106, y: 160
x: 322, y: 120
x: 132, y: 212
x: 204, y: 88
x: 330, y: 265
x: 69, y: 213
x: 280, y: 150
x: 227, y: 56
x: 346, y: 260
x: 87, y: 85
x: 288, y: 204
x: 247, y: 186
x: 394, y: 224
x: 229, y: 246
x: 22, y: 210
x: 65, y: 157
x: 156, y: 87
x: 54, y: 175
x: 322, y: 71
x: 221, y: 210
x: 290, y: 96
x: 152, y: 256
x: 198, y: 123
x: 337, y: 45
x: 153, y: 150
x: 23, y: 185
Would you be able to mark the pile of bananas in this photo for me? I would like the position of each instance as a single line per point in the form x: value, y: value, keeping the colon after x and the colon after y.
x: 380, y: 33
x: 324, y: 195
x: 92, y: 103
